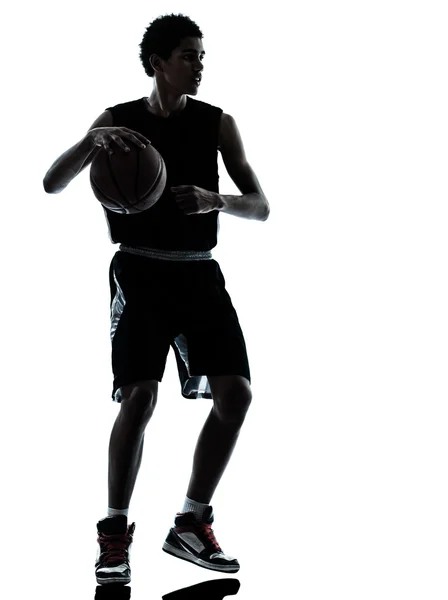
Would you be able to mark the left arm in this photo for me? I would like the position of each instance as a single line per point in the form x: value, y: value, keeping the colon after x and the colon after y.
x: 253, y: 204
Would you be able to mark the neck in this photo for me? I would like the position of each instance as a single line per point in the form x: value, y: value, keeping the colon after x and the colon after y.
x: 164, y: 103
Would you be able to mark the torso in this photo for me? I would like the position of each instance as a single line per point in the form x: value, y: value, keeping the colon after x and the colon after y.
x: 153, y: 111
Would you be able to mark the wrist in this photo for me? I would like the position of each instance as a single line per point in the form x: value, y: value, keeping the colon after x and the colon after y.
x: 88, y: 141
x: 220, y: 202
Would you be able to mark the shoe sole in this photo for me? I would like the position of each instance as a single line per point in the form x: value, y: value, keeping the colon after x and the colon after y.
x: 123, y: 580
x: 198, y: 561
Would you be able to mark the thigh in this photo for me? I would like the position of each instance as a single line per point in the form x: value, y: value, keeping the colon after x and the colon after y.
x: 142, y: 321
x: 215, y: 340
x: 140, y: 343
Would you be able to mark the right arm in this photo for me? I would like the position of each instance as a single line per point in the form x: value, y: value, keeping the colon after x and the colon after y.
x: 75, y: 159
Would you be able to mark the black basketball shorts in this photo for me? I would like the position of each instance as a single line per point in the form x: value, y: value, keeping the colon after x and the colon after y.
x: 157, y: 304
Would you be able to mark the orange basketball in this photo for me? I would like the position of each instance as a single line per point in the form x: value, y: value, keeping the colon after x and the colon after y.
x: 128, y: 182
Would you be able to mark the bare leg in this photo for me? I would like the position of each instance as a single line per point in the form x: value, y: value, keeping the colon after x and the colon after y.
x: 125, y: 457
x: 126, y: 441
x: 232, y: 397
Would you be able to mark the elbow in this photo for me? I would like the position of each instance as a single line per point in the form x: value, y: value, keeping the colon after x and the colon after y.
x: 266, y: 212
x: 49, y: 186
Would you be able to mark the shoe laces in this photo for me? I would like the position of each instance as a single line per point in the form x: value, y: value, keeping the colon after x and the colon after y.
x: 207, y: 530
x: 115, y: 546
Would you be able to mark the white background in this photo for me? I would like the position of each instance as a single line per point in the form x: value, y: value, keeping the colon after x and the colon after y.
x: 337, y: 487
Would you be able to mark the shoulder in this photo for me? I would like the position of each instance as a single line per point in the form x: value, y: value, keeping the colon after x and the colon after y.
x: 209, y: 117
x: 123, y: 106
x: 224, y: 120
x: 227, y: 128
x: 227, y: 120
x: 126, y: 114
x: 204, y: 107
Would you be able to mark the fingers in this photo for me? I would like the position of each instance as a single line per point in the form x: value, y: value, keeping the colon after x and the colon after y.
x: 135, y: 135
x: 120, y: 136
x: 107, y: 147
x: 117, y: 139
x: 141, y: 142
x: 121, y: 143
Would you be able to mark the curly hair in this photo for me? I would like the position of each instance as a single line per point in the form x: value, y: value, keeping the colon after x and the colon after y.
x: 163, y: 35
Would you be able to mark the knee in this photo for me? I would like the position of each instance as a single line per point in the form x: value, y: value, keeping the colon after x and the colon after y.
x: 232, y: 404
x: 138, y: 402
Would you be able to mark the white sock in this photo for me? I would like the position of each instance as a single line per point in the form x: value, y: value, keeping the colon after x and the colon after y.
x: 195, y: 507
x: 114, y: 512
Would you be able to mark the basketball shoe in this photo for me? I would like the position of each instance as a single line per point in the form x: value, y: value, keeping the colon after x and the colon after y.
x: 195, y: 541
x: 115, y: 539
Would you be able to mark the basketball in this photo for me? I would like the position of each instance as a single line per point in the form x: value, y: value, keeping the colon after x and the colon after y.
x: 128, y: 182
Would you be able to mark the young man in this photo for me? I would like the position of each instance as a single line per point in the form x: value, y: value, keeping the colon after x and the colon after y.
x: 166, y: 290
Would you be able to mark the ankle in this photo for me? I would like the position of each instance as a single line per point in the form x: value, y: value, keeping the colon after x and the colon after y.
x: 197, y: 508
x: 115, y: 512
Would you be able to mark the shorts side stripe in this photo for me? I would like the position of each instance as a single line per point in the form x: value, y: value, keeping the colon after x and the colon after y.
x: 117, y: 307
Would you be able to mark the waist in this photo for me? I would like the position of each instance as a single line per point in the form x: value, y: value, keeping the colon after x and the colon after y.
x: 174, y: 255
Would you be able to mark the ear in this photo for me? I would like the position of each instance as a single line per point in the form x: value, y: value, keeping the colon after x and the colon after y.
x: 155, y: 63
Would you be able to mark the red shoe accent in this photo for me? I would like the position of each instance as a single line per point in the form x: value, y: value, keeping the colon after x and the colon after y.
x: 116, y: 546
x: 208, y: 532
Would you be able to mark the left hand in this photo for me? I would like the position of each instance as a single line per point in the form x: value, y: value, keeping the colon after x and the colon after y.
x: 193, y: 200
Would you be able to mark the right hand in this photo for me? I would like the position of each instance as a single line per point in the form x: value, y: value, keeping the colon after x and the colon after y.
x: 104, y: 136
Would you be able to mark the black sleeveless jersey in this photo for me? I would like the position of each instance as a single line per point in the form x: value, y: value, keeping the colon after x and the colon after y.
x: 188, y: 143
